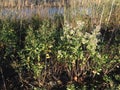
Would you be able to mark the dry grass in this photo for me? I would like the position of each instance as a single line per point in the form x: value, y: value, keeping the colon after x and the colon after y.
x: 92, y: 8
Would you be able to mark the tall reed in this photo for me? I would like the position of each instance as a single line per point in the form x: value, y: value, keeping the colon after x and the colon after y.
x: 72, y: 9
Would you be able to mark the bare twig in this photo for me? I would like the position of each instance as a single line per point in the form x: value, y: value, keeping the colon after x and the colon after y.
x: 3, y: 79
x: 111, y: 69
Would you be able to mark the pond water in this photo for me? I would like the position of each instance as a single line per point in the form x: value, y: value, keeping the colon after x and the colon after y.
x: 27, y: 12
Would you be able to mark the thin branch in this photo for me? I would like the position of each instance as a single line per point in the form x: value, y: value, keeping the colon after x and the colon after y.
x: 3, y: 79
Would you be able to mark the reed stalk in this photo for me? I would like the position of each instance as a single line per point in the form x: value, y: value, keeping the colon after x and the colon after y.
x: 71, y: 8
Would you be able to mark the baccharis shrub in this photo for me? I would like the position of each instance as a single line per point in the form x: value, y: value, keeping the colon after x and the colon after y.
x: 37, y: 43
x: 75, y: 37
x: 73, y: 40
x: 92, y: 39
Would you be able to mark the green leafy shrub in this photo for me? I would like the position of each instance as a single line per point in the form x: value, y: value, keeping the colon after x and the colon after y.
x: 38, y: 44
